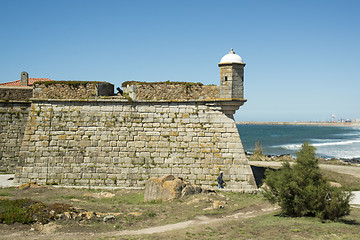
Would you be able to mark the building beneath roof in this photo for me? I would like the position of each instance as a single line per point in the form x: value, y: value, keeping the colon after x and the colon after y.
x: 24, y: 81
x: 20, y: 90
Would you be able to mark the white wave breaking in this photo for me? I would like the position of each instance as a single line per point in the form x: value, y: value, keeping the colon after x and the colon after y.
x: 325, y: 144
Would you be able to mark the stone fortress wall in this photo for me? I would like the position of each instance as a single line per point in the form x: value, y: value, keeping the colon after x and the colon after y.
x: 121, y: 141
x: 13, y: 119
x: 115, y: 143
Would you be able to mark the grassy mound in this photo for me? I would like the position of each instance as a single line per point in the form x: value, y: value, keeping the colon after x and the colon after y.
x: 28, y: 211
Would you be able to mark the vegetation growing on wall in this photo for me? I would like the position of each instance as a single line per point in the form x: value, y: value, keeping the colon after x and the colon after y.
x: 73, y: 83
x: 187, y: 84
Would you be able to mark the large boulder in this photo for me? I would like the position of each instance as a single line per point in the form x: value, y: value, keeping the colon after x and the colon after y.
x: 168, y: 188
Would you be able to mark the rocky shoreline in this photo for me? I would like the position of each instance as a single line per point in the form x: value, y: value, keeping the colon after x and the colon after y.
x: 288, y: 157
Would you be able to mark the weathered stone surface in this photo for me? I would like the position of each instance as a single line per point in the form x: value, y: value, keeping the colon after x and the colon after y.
x: 13, y: 119
x: 69, y: 215
x: 29, y: 185
x: 108, y: 143
x: 188, y: 190
x: 154, y: 187
x: 100, y: 195
x: 135, y: 214
x: 231, y: 80
x: 109, y: 218
x: 15, y: 93
x: 167, y: 188
x: 72, y: 90
x: 216, y: 205
x: 87, y: 215
x: 171, y: 91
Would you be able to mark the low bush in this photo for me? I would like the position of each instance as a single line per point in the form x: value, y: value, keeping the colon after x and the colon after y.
x: 28, y: 211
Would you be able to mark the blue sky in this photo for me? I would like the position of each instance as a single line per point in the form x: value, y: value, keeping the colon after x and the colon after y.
x: 302, y: 56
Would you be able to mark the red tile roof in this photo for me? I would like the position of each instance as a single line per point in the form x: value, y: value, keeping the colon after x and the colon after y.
x: 17, y: 83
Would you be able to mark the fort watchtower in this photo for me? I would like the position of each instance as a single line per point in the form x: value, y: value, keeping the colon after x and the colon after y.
x: 231, y: 76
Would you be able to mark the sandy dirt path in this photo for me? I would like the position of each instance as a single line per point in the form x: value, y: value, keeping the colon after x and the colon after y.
x: 200, y: 220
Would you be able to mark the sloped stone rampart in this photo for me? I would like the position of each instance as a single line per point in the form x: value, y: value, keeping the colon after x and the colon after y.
x: 122, y: 144
x: 13, y: 118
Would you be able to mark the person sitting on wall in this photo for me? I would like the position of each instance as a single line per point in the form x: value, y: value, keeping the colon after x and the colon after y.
x: 220, y: 180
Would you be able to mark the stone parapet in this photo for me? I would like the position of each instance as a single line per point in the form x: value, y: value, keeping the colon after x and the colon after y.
x: 171, y: 91
x: 15, y: 93
x: 72, y: 90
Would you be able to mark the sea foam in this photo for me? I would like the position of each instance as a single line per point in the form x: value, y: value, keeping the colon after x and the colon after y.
x: 324, y: 144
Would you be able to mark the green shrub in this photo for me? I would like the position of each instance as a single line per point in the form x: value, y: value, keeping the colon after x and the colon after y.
x: 16, y: 211
x: 301, y: 190
x: 28, y: 211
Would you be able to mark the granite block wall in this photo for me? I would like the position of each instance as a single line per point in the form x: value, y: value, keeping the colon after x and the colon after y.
x: 13, y: 118
x: 121, y: 144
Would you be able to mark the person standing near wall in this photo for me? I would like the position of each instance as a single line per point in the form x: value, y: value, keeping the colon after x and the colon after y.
x: 220, y: 180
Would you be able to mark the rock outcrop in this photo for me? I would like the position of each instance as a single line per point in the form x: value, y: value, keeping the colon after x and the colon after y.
x: 168, y: 188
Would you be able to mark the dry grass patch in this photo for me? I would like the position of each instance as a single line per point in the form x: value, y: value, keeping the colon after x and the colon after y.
x: 128, y: 207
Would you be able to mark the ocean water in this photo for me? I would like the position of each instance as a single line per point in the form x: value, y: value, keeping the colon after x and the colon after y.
x: 330, y: 142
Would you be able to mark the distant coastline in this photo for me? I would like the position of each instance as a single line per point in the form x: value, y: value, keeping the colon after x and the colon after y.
x: 335, y: 124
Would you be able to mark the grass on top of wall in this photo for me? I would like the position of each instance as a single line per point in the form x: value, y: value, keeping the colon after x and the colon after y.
x: 187, y: 84
x: 74, y: 83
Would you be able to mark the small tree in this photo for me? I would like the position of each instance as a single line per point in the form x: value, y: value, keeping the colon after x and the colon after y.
x: 301, y: 190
